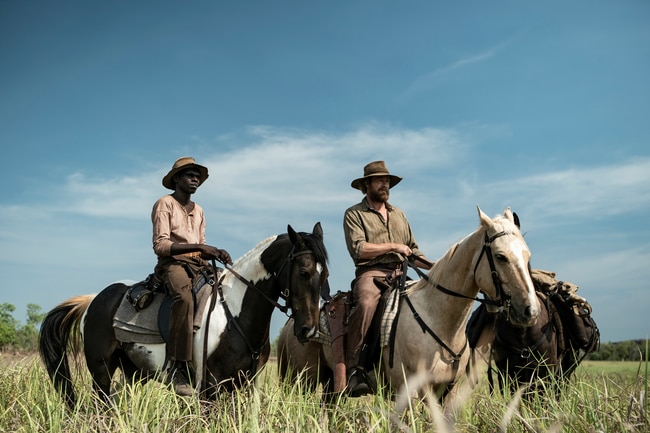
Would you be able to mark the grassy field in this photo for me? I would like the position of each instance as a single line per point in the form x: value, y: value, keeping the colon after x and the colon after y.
x: 602, y: 397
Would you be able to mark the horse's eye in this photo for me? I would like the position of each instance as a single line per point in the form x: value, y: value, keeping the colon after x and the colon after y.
x: 305, y: 275
x: 501, y: 258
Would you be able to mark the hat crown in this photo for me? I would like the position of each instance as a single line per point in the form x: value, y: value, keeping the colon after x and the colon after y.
x: 375, y: 168
x: 182, y: 162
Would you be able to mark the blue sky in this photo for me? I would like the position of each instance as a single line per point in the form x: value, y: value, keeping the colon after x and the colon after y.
x: 540, y: 106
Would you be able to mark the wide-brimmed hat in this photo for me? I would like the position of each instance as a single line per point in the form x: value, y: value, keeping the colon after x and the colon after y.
x: 376, y: 168
x: 183, y: 164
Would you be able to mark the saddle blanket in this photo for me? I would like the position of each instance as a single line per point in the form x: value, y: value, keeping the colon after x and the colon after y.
x: 133, y: 326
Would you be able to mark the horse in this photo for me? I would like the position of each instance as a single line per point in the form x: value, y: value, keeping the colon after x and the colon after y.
x: 539, y: 357
x: 428, y: 332
x: 520, y: 355
x: 232, y: 343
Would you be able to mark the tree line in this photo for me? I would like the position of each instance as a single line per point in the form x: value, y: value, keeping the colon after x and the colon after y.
x: 15, y: 336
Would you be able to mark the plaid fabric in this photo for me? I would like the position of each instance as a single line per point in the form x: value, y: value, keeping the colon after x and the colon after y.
x: 323, y: 336
x: 390, y: 313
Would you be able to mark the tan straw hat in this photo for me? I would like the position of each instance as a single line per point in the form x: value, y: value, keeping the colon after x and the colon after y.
x: 183, y: 164
x: 376, y: 168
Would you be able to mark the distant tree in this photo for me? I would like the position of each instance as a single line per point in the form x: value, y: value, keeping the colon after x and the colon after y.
x: 8, y: 326
x: 629, y: 350
x: 27, y: 336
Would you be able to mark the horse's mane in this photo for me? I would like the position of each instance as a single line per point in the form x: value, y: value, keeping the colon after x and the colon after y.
x: 317, y: 246
x: 256, y: 250
x: 439, y: 268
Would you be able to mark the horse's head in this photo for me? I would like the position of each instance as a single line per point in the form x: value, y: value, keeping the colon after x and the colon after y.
x: 502, y: 268
x: 307, y: 274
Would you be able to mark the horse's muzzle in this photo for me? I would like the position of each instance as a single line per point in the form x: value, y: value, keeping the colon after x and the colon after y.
x: 305, y: 333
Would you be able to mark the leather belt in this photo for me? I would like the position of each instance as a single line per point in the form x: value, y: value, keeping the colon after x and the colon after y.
x: 192, y: 254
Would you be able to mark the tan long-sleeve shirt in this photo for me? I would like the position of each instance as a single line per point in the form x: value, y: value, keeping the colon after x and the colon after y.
x: 173, y: 224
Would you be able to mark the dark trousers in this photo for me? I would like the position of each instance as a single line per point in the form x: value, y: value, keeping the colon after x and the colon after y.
x: 177, y: 276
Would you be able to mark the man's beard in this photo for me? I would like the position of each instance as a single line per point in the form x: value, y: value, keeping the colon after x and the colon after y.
x: 378, y: 196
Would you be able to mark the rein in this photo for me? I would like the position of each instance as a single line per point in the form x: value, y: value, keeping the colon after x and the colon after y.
x: 425, y: 328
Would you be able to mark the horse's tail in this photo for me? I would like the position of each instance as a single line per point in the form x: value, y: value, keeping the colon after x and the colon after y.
x: 59, y: 336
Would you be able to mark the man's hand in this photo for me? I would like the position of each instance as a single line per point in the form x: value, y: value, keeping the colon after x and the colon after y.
x: 208, y: 252
x: 224, y: 257
x: 404, y: 250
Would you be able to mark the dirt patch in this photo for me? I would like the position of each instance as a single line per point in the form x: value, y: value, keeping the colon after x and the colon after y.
x: 8, y: 359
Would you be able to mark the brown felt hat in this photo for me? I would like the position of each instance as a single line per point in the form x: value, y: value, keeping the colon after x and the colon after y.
x: 183, y: 164
x: 376, y: 168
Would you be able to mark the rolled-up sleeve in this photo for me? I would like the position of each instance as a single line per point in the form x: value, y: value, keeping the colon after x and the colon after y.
x: 161, y: 219
x: 355, y: 235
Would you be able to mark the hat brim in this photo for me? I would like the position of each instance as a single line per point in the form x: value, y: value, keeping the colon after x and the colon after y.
x: 394, y: 180
x: 168, y: 180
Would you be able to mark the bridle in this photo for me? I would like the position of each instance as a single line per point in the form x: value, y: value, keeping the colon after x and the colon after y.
x: 502, y: 300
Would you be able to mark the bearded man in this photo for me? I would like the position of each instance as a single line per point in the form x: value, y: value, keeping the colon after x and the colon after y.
x: 379, y: 238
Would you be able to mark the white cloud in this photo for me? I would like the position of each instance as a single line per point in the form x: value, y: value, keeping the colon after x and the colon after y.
x: 586, y: 192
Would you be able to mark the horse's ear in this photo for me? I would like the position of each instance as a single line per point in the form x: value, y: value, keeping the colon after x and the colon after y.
x: 485, y: 220
x: 511, y: 216
x: 516, y: 217
x: 292, y: 234
x: 317, y: 230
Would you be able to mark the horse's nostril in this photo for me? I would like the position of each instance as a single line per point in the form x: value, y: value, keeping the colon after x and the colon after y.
x: 528, y: 312
x: 308, y: 331
x: 531, y: 312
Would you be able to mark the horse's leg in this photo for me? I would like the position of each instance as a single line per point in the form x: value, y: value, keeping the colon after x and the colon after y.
x: 103, y: 354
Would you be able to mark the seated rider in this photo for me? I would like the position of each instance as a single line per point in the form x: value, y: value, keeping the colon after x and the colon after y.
x: 378, y: 238
x: 179, y: 242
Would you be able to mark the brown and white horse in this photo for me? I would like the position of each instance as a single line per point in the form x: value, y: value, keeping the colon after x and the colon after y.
x: 429, y: 333
x: 233, y: 342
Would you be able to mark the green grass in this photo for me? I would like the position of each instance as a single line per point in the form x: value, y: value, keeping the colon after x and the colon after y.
x: 603, y: 396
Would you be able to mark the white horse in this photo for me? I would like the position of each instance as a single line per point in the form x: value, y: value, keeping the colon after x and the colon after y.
x: 429, y: 336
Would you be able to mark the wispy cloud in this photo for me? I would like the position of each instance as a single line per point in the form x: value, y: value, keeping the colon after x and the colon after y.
x: 614, y: 189
x: 435, y: 77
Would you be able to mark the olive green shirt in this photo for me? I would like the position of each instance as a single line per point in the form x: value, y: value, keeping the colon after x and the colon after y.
x: 363, y: 224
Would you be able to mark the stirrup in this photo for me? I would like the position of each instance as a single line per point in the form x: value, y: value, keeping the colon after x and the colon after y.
x: 358, y: 384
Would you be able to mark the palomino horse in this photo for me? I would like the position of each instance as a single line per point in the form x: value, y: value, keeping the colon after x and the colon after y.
x: 231, y: 344
x: 429, y: 333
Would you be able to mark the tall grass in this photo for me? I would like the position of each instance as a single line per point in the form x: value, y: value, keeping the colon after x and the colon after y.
x: 600, y: 398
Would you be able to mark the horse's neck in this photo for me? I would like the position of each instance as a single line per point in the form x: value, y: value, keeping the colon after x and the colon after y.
x: 243, y: 298
x: 454, y: 272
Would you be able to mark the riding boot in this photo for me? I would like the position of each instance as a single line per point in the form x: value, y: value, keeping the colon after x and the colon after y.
x: 179, y: 375
x: 358, y: 382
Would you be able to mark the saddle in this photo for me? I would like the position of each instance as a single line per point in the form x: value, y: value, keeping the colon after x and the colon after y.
x: 333, y: 327
x: 144, y: 312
